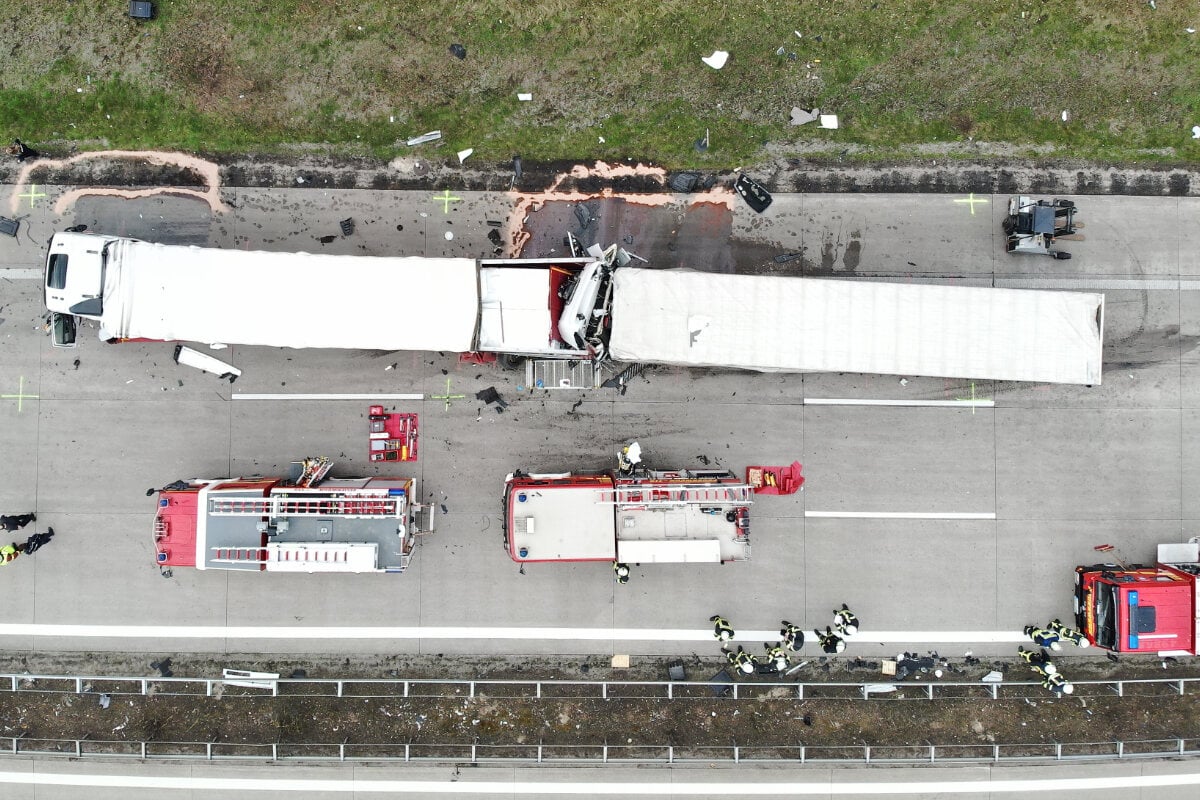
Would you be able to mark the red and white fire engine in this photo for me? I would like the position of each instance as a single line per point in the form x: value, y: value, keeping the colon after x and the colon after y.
x: 303, y: 523
x: 632, y: 515
x: 1129, y: 608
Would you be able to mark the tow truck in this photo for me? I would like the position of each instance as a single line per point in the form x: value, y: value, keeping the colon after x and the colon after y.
x: 1132, y: 608
x: 1032, y: 226
x: 631, y: 515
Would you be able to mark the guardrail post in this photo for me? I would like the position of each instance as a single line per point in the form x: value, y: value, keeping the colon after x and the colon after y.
x: 1120, y: 688
x: 274, y: 751
x: 539, y: 753
x: 604, y: 753
x: 1181, y: 746
x: 670, y: 754
x: 473, y: 752
x: 340, y: 688
x: 79, y: 748
x: 735, y: 691
x: 1120, y: 749
x: 471, y: 691
x: 867, y: 753
x: 1058, y: 751
x: 996, y: 753
x: 670, y: 693
x: 932, y: 751
x: 929, y: 689
x: 79, y: 686
x: 995, y: 691
x: 208, y: 750
x: 736, y: 755
x: 143, y: 744
x: 406, y: 688
x: 406, y: 753
x: 802, y: 753
x: 1181, y: 688
x: 604, y: 690
x: 145, y: 686
x: 539, y: 690
x: 342, y: 751
x: 799, y: 691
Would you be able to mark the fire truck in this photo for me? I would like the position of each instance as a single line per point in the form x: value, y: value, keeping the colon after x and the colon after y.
x: 306, y: 522
x: 1131, y: 608
x: 632, y: 515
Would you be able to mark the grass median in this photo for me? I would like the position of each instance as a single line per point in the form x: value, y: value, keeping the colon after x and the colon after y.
x: 608, y: 80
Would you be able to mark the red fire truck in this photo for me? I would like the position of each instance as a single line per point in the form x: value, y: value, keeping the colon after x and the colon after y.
x: 1129, y: 608
x: 633, y: 515
x: 302, y: 523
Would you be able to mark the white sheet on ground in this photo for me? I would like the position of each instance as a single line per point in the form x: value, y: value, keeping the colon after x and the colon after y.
x: 821, y: 325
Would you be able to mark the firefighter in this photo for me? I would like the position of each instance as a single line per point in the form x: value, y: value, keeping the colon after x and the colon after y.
x: 776, y: 656
x: 722, y: 630
x: 830, y: 642
x: 1043, y: 637
x: 740, y: 659
x: 9, y: 552
x: 844, y: 621
x: 1057, y: 684
x: 16, y: 521
x: 793, y: 637
x: 1070, y: 634
x: 1039, y: 662
x: 621, y: 572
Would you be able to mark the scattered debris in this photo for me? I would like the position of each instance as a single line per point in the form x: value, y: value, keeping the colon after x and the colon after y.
x: 202, y: 361
x: 684, y: 182
x: 105, y: 701
x: 489, y: 396
x: 458, y: 51
x: 524, y: 97
x: 347, y: 226
x: 995, y: 676
x: 1196, y: 131
x: 425, y: 137
x: 702, y: 144
x: 802, y: 117
x: 464, y: 154
x: 784, y: 258
x: 717, y: 59
x: 1066, y: 115
x: 9, y: 226
x: 752, y: 192
x: 163, y: 666
x: 829, y: 122
x: 516, y: 162
x: 326, y: 239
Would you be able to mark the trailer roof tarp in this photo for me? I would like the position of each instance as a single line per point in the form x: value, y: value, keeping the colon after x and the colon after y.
x: 208, y: 295
x: 808, y: 324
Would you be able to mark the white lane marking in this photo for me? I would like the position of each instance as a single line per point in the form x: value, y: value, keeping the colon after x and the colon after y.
x: 850, y: 401
x: 498, y: 633
x: 1138, y: 284
x: 902, y: 514
x: 249, y: 396
x: 21, y: 273
x: 665, y: 787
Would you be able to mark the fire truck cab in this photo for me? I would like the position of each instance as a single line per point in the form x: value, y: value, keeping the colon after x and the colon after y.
x: 1136, y: 609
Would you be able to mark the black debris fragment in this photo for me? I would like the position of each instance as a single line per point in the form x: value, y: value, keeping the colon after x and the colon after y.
x: 163, y: 667
x: 326, y: 239
x: 489, y: 396
x: 753, y: 192
x: 783, y: 258
x: 458, y: 51
x: 347, y: 226
x: 684, y: 182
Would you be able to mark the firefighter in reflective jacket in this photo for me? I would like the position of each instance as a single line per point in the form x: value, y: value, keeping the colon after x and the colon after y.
x: 793, y: 637
x: 1043, y: 637
x: 9, y: 552
x: 776, y: 656
x: 844, y: 621
x: 830, y: 642
x: 1038, y: 661
x: 740, y: 659
x: 1057, y: 684
x: 621, y: 572
x: 1070, y: 634
x: 722, y: 630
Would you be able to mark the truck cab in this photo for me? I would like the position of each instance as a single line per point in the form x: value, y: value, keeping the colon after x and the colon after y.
x: 74, y: 282
x: 1135, y: 609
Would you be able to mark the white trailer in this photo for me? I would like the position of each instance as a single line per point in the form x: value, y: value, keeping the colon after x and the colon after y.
x: 767, y: 323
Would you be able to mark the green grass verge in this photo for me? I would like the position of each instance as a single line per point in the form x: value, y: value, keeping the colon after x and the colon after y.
x: 267, y: 75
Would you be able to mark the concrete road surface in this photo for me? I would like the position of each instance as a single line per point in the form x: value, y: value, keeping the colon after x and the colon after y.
x: 942, y: 526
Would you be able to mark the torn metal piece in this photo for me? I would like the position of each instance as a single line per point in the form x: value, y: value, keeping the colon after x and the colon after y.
x: 424, y: 137
x: 202, y: 361
x: 802, y: 117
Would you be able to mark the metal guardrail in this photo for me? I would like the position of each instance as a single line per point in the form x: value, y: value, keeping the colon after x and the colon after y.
x: 605, y: 753
x: 434, y: 688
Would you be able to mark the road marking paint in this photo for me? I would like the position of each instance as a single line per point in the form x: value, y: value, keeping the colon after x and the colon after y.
x: 854, y: 401
x: 445, y: 198
x: 250, y: 396
x: 447, y: 396
x: 971, y: 200
x: 33, y: 194
x: 1142, y: 284
x: 670, y: 786
x: 20, y: 396
x: 902, y: 514
x: 21, y: 273
x: 360, y: 633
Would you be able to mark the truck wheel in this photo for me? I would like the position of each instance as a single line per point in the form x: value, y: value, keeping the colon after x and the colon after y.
x: 509, y: 361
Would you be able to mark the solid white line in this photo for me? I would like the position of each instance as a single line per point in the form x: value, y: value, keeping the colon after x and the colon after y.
x: 21, y: 273
x: 479, y: 633
x: 249, y: 396
x: 665, y: 787
x: 850, y: 401
x: 902, y: 514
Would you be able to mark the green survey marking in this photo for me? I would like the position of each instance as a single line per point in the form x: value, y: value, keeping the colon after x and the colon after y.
x: 970, y: 399
x: 445, y: 198
x: 971, y: 200
x: 20, y: 395
x: 447, y: 396
x: 33, y: 194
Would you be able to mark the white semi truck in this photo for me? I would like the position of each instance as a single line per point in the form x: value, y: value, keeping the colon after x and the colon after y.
x: 579, y: 308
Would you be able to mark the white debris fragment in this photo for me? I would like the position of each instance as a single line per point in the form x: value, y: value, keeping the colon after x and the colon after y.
x: 463, y: 155
x: 717, y: 59
x: 802, y: 117
x: 218, y: 346
x: 449, y: 235
x: 1066, y: 115
x: 904, y: 381
x: 1190, y: 30
x: 524, y: 97
x: 799, y: 35
x: 995, y: 676
x: 829, y: 121
x: 601, y: 140
x: 424, y: 137
x: 1196, y: 131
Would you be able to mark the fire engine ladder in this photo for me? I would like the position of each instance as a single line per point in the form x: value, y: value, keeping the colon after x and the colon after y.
x: 561, y: 374
x: 651, y: 496
x: 238, y: 555
x: 272, y: 507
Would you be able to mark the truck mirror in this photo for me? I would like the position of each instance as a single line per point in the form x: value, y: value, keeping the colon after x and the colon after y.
x: 62, y: 330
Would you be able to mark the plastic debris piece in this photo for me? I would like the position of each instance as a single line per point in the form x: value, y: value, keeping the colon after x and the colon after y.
x: 753, y: 192
x: 524, y: 97
x: 1066, y: 115
x: 995, y: 676
x: 105, y: 701
x: 702, y: 144
x: 458, y: 51
x: 424, y: 137
x: 464, y: 154
x: 829, y: 121
x: 1196, y: 131
x: 802, y: 117
x: 717, y: 59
